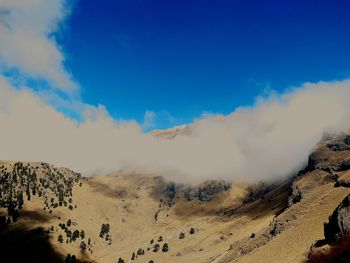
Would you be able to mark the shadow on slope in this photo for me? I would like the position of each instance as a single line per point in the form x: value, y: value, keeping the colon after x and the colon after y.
x: 261, y: 200
x: 34, y: 216
x: 339, y: 253
x: 19, y: 244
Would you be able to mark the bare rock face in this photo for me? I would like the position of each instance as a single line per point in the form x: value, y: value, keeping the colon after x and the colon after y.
x: 338, y: 225
x: 328, y: 163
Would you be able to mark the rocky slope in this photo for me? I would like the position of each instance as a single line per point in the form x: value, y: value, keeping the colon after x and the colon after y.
x: 133, y: 216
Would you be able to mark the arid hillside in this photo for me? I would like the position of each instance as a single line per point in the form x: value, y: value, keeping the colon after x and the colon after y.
x: 134, y: 216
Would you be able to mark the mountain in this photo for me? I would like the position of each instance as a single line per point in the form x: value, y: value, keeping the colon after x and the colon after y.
x: 49, y: 212
x: 172, y: 132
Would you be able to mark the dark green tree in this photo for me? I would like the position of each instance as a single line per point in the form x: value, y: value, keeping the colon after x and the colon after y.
x: 165, y: 247
x: 20, y: 200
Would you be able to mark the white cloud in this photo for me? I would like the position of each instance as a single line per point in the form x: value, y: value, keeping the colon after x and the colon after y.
x: 27, y: 42
x: 267, y: 141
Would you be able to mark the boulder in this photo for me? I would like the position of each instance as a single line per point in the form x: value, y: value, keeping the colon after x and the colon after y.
x: 338, y: 225
x: 343, y: 180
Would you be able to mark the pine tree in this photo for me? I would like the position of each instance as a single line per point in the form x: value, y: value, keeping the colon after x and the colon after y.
x: 165, y: 247
x: 20, y: 200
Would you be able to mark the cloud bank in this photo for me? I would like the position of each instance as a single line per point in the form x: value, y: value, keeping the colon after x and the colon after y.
x: 27, y: 41
x: 267, y: 141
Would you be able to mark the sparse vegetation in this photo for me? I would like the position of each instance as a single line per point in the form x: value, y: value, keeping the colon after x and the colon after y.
x: 156, y: 248
x: 21, y: 178
x: 82, y: 246
x: 104, y: 233
x: 104, y: 230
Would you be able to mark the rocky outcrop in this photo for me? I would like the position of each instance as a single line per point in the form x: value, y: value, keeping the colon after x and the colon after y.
x: 331, y: 155
x: 295, y: 195
x: 338, y: 225
x: 335, y: 246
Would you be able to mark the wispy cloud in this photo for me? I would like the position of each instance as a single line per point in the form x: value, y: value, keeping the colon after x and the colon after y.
x: 27, y: 41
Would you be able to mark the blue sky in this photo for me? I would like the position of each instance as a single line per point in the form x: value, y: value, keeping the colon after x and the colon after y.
x: 182, y: 58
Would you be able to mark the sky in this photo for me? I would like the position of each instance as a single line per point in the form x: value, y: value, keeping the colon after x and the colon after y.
x: 180, y: 59
x: 82, y: 83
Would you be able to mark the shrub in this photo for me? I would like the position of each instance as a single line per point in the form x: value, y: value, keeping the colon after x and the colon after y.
x: 156, y: 248
x: 192, y: 231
